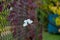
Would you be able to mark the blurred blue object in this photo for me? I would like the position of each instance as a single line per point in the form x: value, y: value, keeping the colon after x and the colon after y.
x: 52, y: 28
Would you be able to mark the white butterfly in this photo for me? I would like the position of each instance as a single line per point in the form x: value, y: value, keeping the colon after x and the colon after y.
x: 26, y: 22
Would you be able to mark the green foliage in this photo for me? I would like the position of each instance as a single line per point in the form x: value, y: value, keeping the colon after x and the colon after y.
x: 3, y: 18
x: 8, y: 37
x: 41, y: 15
